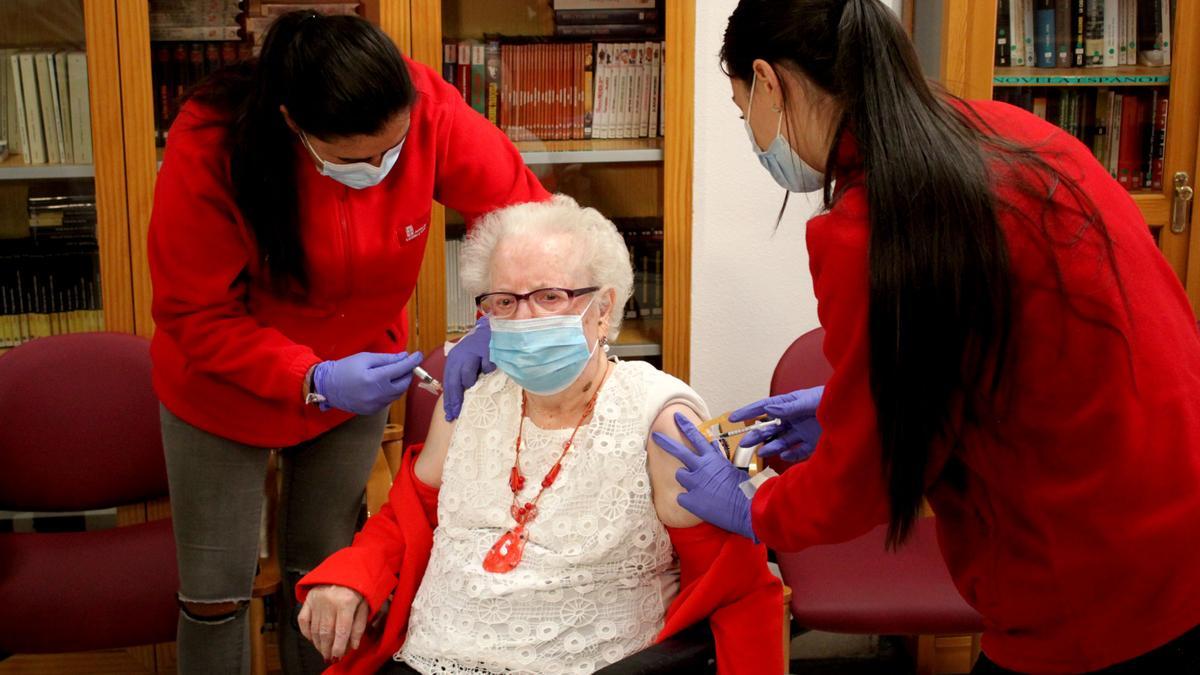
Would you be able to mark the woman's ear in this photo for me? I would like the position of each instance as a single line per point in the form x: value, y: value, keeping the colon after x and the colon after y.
x: 288, y: 119
x: 769, y: 86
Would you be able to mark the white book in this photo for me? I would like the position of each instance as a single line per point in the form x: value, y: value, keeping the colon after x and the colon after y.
x: 605, y: 83
x: 64, y: 106
x: 1112, y: 32
x: 1016, y: 29
x: 616, y: 116
x: 628, y: 60
x: 81, y: 109
x: 47, y: 90
x: 1030, y: 37
x: 662, y: 88
x: 17, y: 107
x: 655, y: 84
x: 639, y: 86
x: 33, y: 109
x: 647, y: 85
x: 1165, y: 6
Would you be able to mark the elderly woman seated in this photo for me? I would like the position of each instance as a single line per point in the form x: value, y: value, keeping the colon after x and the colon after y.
x: 540, y: 532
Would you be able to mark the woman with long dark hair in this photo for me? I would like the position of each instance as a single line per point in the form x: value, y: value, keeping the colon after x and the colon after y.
x: 289, y: 223
x: 1007, y: 342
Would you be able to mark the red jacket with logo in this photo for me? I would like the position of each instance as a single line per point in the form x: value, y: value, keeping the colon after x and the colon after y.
x: 229, y: 355
x: 1075, y: 527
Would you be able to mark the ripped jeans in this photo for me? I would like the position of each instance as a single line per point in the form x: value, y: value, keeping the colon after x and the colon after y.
x: 216, y: 505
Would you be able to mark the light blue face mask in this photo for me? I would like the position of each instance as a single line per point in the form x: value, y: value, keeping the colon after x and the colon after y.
x: 544, y: 355
x: 358, y: 175
x: 784, y: 165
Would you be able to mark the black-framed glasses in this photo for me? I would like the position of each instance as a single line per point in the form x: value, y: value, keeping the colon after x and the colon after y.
x: 543, y: 300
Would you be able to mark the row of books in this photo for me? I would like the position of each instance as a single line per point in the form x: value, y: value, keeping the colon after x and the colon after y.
x: 45, y: 115
x: 259, y: 15
x: 49, y: 286
x: 221, y: 20
x: 179, y: 65
x: 1084, y: 33
x: 544, y: 89
x: 643, y: 238
x: 608, y: 23
x: 1126, y: 129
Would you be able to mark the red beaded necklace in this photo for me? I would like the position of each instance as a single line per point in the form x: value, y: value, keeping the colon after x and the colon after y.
x: 508, y: 550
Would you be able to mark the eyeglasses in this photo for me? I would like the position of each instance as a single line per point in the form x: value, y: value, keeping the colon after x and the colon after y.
x: 544, y: 301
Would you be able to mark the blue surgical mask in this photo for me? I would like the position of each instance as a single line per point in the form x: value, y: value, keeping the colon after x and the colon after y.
x: 544, y: 355
x: 357, y: 175
x: 784, y: 165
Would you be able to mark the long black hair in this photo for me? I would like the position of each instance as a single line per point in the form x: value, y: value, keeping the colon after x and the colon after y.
x: 338, y: 76
x: 940, y: 298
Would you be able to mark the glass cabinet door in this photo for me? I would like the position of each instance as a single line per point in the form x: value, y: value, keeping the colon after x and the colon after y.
x: 63, y: 261
x: 1119, y: 75
x: 580, y: 93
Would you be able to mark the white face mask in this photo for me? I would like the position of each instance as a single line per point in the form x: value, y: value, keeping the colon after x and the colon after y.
x: 357, y: 175
x: 784, y: 165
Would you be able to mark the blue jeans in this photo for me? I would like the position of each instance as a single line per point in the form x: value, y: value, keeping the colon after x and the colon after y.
x: 216, y: 505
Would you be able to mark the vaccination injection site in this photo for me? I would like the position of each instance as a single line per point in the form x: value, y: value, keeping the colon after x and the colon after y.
x: 630, y: 337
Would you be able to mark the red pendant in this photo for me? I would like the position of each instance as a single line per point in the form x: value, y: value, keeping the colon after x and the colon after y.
x: 506, y: 553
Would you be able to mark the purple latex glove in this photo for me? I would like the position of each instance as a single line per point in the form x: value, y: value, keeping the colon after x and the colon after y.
x: 364, y: 383
x: 712, y: 482
x: 795, y: 439
x: 464, y: 363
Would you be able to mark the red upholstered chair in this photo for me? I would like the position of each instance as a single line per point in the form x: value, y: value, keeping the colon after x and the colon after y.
x: 858, y: 586
x: 80, y: 431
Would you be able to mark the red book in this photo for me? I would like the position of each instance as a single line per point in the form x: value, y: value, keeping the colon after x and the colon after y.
x: 1129, y: 159
x: 463, y: 76
x: 1159, y: 144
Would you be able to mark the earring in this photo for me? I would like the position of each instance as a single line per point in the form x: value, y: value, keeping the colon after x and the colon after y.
x: 604, y: 343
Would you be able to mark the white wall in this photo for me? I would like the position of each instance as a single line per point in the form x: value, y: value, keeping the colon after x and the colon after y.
x: 751, y: 288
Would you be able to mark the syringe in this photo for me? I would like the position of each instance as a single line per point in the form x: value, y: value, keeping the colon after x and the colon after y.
x: 427, y: 382
x: 741, y: 430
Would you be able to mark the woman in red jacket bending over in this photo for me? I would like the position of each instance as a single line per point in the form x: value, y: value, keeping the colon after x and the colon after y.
x: 1006, y: 340
x: 289, y: 223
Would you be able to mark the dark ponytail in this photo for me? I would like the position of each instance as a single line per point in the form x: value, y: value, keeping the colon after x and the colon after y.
x: 338, y: 76
x: 940, y: 305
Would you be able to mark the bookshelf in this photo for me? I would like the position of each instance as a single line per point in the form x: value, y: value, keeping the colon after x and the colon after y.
x: 966, y: 53
x: 64, y: 234
x: 641, y: 182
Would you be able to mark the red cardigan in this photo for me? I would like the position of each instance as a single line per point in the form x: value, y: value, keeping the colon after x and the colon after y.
x: 230, y: 355
x: 1077, y: 535
x: 723, y: 577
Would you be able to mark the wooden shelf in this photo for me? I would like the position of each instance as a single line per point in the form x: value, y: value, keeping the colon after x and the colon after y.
x: 1123, y: 76
x: 596, y: 151
x: 14, y: 168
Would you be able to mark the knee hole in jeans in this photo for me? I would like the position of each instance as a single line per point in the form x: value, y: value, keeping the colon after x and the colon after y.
x: 213, y: 612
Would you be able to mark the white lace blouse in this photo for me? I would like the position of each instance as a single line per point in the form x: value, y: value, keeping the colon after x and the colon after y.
x: 598, y: 571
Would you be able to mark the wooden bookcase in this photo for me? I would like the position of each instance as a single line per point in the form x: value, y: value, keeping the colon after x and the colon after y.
x: 967, y: 37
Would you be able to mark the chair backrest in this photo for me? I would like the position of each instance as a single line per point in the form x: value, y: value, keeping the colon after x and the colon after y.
x: 802, y: 365
x: 80, y: 425
x: 419, y: 404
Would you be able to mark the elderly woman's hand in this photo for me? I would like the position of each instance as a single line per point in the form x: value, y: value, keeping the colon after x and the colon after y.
x: 332, y: 618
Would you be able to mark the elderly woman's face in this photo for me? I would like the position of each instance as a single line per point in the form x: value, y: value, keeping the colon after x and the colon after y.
x: 524, y: 264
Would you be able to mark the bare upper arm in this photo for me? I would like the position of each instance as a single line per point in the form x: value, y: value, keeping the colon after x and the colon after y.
x: 663, y: 466
x: 437, y: 443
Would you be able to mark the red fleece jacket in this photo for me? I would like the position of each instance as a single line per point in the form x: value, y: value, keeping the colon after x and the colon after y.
x: 723, y: 577
x: 1075, y: 528
x: 230, y: 354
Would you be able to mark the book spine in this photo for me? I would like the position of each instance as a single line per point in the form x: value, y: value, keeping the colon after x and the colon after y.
x: 1094, y: 33
x: 1062, y: 33
x: 1079, y: 33
x: 478, y: 78
x: 1114, y: 134
x: 194, y: 33
x: 589, y: 89
x: 655, y: 87
x: 63, y: 101
x: 1016, y: 30
x: 1149, y: 119
x: 1100, y: 130
x: 607, y: 30
x: 1112, y: 33
x: 1127, y: 158
x: 463, y: 78
x: 492, y: 80
x: 19, y: 98
x: 33, y: 110
x: 601, y: 95
x: 1164, y: 8
x: 603, y: 16
x: 1003, y: 57
x: 506, y: 95
x: 1159, y: 144
x: 1046, y: 52
x: 449, y: 60
x: 1028, y: 10
x: 46, y: 92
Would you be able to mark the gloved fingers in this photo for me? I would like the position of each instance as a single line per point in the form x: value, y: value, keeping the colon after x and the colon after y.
x: 401, y: 367
x: 468, y: 371
x: 749, y: 412
x: 677, y: 450
x: 798, y: 453
x: 753, y: 438
x: 799, y: 403
x: 452, y: 396
x: 486, y: 366
x: 691, y: 503
x: 695, y: 437
x: 790, y: 437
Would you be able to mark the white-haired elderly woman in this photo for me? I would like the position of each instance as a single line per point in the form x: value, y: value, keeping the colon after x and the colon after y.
x: 539, y: 532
